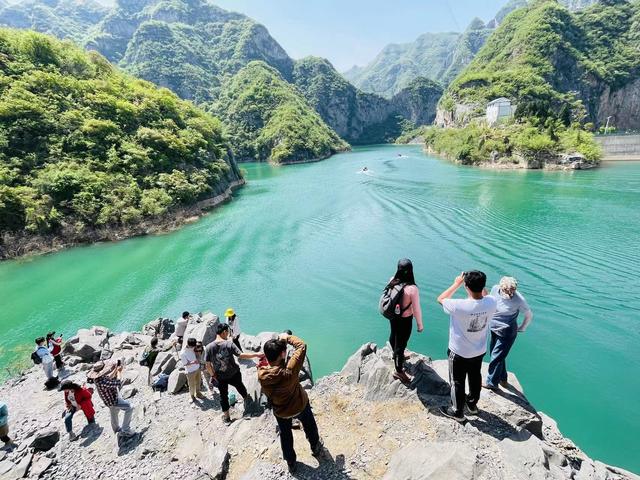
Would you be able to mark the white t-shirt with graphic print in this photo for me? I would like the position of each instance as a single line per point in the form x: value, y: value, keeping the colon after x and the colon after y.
x: 469, y: 324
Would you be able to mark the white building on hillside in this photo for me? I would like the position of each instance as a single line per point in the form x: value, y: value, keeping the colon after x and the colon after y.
x: 499, y: 109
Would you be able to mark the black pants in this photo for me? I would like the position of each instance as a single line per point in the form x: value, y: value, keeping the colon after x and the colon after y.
x: 459, y: 369
x: 58, y: 360
x: 236, y: 340
x: 400, y: 333
x: 310, y: 427
x: 223, y: 387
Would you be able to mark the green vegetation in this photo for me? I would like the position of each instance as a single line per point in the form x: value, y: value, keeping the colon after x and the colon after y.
x: 267, y: 118
x: 512, y: 143
x: 547, y: 59
x: 83, y: 146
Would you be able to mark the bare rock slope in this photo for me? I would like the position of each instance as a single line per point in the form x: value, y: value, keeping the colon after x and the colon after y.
x: 373, y: 427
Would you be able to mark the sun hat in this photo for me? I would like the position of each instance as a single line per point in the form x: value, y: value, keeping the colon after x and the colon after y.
x: 100, y: 369
x: 229, y: 313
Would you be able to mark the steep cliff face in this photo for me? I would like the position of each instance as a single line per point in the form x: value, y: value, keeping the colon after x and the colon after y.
x: 548, y: 59
x: 62, y: 18
x: 418, y: 101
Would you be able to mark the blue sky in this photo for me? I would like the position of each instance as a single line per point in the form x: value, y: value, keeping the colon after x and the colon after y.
x: 349, y: 32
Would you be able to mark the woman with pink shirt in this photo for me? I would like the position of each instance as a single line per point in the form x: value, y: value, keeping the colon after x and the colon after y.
x: 401, y: 325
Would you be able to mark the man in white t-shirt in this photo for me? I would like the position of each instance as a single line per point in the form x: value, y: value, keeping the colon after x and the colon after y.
x: 468, y: 327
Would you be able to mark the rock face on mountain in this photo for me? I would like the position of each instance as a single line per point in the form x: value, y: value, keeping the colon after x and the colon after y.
x: 373, y: 426
x: 547, y: 59
x: 360, y: 117
x: 62, y: 18
x: 267, y: 118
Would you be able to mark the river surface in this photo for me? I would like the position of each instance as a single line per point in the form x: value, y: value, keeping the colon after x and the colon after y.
x: 310, y: 247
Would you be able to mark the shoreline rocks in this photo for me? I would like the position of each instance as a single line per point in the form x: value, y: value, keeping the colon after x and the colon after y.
x: 373, y: 426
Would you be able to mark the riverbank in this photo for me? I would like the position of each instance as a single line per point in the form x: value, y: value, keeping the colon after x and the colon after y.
x: 373, y: 427
x: 23, y: 245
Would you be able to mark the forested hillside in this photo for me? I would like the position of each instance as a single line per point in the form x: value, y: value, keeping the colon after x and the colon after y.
x: 83, y: 146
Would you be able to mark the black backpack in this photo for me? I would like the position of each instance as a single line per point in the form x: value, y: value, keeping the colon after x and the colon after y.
x: 391, y: 301
x: 36, y: 358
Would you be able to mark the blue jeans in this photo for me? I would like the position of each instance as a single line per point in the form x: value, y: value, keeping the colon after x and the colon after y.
x: 500, y: 347
x: 68, y: 419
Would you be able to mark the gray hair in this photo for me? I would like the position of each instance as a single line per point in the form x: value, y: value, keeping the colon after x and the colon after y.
x: 508, y: 283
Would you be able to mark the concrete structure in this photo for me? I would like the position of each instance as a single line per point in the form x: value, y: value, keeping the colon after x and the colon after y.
x: 620, y: 147
x: 499, y: 109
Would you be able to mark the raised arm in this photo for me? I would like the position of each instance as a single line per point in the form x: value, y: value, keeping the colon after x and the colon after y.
x: 297, y: 358
x: 448, y: 293
x: 417, y: 309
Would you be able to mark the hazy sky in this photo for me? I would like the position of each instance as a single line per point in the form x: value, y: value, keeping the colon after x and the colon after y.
x: 349, y: 32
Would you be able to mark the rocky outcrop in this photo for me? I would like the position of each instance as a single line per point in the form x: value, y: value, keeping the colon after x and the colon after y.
x: 373, y: 427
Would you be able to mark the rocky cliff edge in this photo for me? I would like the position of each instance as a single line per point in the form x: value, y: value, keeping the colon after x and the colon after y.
x: 373, y: 426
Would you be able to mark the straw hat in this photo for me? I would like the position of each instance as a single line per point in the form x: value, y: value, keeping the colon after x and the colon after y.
x: 101, y: 369
x: 229, y: 313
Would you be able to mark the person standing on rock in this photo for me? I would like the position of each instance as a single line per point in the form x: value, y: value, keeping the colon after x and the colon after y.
x: 221, y: 365
x: 504, y: 328
x: 46, y: 359
x: 4, y: 424
x: 107, y: 378
x: 181, y: 326
x: 234, y: 326
x: 281, y: 384
x: 55, y: 347
x: 468, y: 327
x: 401, y: 322
x: 76, y: 398
x: 191, y: 364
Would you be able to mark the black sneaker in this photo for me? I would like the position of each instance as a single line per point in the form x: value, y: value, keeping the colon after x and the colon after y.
x: 472, y: 408
x: 318, y: 450
x: 451, y: 413
x: 293, y: 467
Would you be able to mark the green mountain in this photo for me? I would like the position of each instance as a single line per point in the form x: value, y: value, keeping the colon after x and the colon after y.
x: 398, y: 64
x: 358, y: 117
x: 85, y: 148
x: 62, y: 18
x: 550, y: 61
x: 266, y: 118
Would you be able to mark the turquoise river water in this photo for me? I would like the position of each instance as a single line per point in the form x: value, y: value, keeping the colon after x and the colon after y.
x: 310, y: 247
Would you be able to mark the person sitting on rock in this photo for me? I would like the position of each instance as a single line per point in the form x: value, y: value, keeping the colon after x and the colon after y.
x: 234, y: 326
x: 469, y: 322
x: 46, y: 359
x: 281, y: 384
x: 181, y: 326
x: 191, y: 363
x: 504, y: 328
x: 75, y: 398
x: 4, y: 424
x: 107, y: 378
x: 55, y: 347
x: 221, y: 365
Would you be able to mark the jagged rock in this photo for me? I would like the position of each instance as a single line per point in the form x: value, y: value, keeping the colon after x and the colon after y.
x: 203, y: 329
x: 590, y: 470
x: 46, y: 440
x: 5, y: 466
x: 20, y: 470
x: 128, y: 392
x: 130, y: 376
x: 433, y: 461
x: 123, y: 340
x: 215, y: 461
x: 165, y: 363
x: 524, y: 457
x: 87, y: 352
x: 352, y: 369
x: 40, y: 465
x: 160, y: 327
x: 177, y: 381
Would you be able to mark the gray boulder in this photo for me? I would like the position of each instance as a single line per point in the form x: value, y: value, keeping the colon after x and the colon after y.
x: 162, y: 328
x: 20, y: 470
x: 177, y: 381
x: 129, y: 377
x: 45, y: 440
x: 203, y: 329
x: 433, y: 461
x: 352, y: 370
x: 128, y: 392
x: 524, y: 457
x: 165, y: 363
x: 215, y: 461
x: 40, y: 465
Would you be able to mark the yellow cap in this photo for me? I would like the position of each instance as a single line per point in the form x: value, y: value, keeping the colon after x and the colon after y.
x: 229, y: 312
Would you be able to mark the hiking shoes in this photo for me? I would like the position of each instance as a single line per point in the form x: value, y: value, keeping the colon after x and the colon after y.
x: 504, y: 384
x: 319, y: 450
x: 293, y: 467
x: 451, y: 413
x: 488, y: 386
x: 472, y: 408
